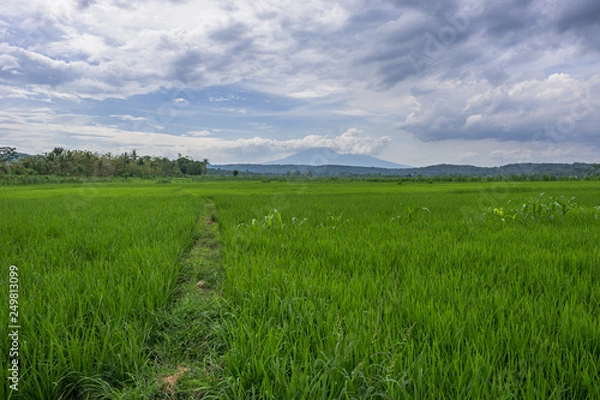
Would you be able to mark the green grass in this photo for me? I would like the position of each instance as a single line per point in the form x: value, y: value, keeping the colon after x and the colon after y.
x: 322, y: 290
x: 95, y: 265
x: 369, y: 298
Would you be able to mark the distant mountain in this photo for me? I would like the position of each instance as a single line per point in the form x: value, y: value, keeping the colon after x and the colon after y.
x: 320, y: 156
x: 578, y: 170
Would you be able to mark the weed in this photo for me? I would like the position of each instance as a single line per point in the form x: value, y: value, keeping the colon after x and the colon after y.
x: 413, y: 214
x: 539, y: 208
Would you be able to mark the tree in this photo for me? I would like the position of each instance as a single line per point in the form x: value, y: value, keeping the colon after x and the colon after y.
x: 58, y: 160
x: 7, y: 154
x: 188, y: 166
x: 30, y: 165
x: 61, y: 161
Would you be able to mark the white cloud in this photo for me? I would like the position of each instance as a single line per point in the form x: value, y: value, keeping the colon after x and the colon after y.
x: 219, y: 99
x: 82, y: 132
x: 352, y: 111
x: 128, y: 117
x: 9, y: 63
x: 520, y: 110
x: 40, y: 130
x: 351, y: 141
x: 199, y: 133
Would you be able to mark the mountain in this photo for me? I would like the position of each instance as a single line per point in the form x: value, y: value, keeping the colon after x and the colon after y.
x: 514, y: 171
x: 325, y: 156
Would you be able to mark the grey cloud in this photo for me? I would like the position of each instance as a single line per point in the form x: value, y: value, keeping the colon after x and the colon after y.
x: 556, y: 109
x: 83, y: 4
x: 233, y: 59
x: 231, y: 33
x: 166, y: 43
x: 589, y: 37
x: 236, y: 50
x: 578, y: 14
x: 34, y: 31
x: 413, y: 31
x: 421, y: 42
x: 507, y: 17
x: 244, y: 47
x: 416, y: 91
x: 494, y: 74
x: 450, y: 40
x: 430, y: 6
x: 372, y: 18
x: 580, y: 19
x: 187, y: 67
x: 34, y: 68
x: 393, y: 72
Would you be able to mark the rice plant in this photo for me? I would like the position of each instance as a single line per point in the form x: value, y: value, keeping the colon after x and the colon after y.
x: 92, y: 277
x: 328, y: 290
x: 410, y: 310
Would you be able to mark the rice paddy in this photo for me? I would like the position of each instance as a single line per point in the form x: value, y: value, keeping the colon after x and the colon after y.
x: 320, y: 290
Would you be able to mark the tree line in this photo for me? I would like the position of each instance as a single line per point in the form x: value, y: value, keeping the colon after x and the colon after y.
x: 85, y: 163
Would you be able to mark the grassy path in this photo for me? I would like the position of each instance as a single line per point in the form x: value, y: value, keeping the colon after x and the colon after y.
x: 188, y: 345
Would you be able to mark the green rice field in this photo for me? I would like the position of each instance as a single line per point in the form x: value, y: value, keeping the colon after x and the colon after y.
x: 310, y: 290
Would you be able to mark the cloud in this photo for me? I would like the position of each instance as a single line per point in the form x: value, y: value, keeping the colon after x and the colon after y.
x: 83, y: 4
x: 230, y: 33
x: 316, y: 92
x: 467, y: 71
x: 383, y: 44
x: 30, y: 67
x: 9, y: 63
x: 82, y: 131
x: 187, y: 67
x: 129, y: 118
x: 351, y: 111
x: 199, y: 133
x: 559, y: 107
x: 349, y: 142
x: 578, y: 14
x: 581, y: 20
x: 219, y: 99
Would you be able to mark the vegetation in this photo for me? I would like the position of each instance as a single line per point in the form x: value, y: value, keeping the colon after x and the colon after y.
x: 404, y: 297
x: 16, y: 168
x: 442, y: 173
x: 305, y: 289
x: 84, y: 163
x: 96, y: 264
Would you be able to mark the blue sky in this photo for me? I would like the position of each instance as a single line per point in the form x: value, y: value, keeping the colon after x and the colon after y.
x: 414, y: 82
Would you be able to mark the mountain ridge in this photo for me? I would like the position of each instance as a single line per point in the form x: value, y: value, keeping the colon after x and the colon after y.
x: 540, y: 170
x: 321, y: 156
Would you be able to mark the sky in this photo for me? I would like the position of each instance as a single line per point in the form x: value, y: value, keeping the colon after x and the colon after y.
x: 417, y: 82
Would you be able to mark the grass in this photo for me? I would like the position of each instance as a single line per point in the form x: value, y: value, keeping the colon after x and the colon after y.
x: 311, y: 290
x: 187, y: 345
x: 93, y: 272
x: 427, y: 305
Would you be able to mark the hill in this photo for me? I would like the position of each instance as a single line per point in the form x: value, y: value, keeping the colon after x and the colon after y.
x: 325, y: 156
x: 541, y: 170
